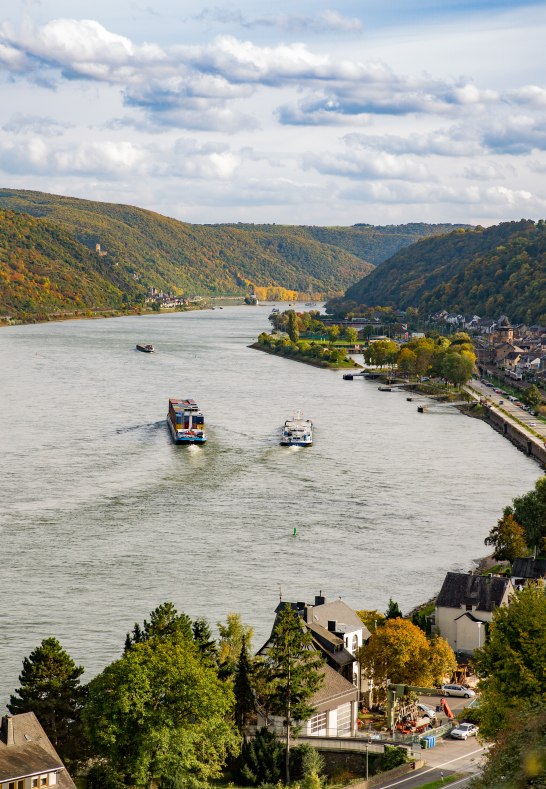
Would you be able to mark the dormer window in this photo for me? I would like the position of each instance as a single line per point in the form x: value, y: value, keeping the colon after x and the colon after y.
x: 469, y: 606
x: 17, y: 784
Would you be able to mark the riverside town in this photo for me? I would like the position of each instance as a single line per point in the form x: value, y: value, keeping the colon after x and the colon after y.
x: 273, y: 395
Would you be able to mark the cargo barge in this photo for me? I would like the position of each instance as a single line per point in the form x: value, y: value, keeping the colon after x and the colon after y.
x: 186, y: 422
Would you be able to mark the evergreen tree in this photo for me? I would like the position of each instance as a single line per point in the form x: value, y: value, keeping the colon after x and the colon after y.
x: 231, y: 641
x: 164, y: 621
x: 245, y: 702
x: 292, y: 328
x: 50, y: 687
x: 261, y: 759
x: 202, y: 635
x: 294, y: 671
x: 393, y: 610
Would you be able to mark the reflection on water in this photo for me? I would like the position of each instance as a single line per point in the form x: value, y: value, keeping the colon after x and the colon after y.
x: 104, y: 517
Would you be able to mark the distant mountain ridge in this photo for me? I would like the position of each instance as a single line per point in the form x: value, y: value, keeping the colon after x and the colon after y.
x: 499, y: 269
x: 145, y: 249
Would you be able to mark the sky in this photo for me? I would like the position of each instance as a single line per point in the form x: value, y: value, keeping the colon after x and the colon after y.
x: 314, y: 113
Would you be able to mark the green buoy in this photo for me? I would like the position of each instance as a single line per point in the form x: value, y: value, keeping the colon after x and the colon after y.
x: 295, y: 532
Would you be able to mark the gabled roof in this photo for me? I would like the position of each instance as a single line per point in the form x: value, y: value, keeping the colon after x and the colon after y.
x: 334, y: 687
x: 339, y: 612
x: 30, y: 752
x: 485, y: 592
x: 529, y: 568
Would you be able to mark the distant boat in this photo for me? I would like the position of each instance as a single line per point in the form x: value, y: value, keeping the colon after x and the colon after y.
x: 310, y: 303
x: 145, y: 348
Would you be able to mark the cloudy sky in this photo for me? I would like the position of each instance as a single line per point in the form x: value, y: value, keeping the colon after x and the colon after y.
x: 310, y: 112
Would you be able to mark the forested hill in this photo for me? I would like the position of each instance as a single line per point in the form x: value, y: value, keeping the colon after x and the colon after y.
x: 145, y: 249
x: 500, y: 269
x: 44, y: 270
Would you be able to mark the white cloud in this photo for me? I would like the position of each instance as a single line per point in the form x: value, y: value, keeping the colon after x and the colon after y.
x: 362, y: 164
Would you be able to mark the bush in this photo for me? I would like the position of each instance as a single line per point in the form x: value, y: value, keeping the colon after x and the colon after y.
x: 101, y: 776
x: 261, y: 759
x: 305, y: 760
x: 392, y: 757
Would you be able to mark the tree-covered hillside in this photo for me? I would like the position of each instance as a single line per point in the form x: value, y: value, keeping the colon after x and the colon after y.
x: 44, y: 270
x: 150, y: 250
x: 368, y: 242
x: 500, y: 269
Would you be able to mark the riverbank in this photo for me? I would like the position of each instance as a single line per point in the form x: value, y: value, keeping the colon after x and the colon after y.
x: 349, y: 364
x: 81, y: 315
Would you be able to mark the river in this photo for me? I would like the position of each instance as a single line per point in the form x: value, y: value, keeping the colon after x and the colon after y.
x: 103, y: 517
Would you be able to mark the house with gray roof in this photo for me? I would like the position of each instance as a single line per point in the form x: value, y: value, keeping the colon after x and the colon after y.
x: 28, y: 760
x: 528, y: 569
x: 465, y: 607
x: 337, y: 632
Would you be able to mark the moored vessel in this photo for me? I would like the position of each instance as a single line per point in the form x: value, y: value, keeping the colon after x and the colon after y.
x: 297, y: 432
x: 186, y: 422
x: 145, y: 347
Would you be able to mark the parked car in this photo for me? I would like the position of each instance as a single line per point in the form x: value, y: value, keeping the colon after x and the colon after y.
x: 426, y: 711
x: 457, y: 690
x: 463, y: 731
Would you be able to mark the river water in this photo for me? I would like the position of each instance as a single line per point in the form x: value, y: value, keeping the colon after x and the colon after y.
x: 103, y: 517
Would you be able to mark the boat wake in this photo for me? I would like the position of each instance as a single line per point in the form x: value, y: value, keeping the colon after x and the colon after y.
x: 145, y: 426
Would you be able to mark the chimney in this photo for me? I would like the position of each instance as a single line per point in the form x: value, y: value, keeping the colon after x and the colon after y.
x: 332, y: 625
x: 8, y: 729
x: 319, y: 599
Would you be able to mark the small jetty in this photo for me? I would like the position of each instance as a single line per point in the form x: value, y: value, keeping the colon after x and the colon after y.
x: 385, y: 388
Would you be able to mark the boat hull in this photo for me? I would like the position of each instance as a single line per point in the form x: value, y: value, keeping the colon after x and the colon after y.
x: 185, y: 438
x: 289, y: 443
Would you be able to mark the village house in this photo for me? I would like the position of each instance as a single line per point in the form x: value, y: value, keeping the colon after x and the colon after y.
x: 528, y: 569
x: 27, y: 757
x: 337, y: 632
x: 465, y: 607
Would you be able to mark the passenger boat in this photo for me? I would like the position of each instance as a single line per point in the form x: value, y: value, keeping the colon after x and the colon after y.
x: 186, y: 422
x: 297, y: 432
x: 145, y: 348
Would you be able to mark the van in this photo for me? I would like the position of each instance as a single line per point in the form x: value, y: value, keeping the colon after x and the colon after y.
x: 512, y: 399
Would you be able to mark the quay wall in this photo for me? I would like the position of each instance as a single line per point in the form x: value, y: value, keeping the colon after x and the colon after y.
x: 532, y: 447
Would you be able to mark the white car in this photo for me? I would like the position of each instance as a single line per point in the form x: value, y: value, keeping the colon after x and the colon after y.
x: 426, y: 711
x: 457, y: 690
x: 463, y: 731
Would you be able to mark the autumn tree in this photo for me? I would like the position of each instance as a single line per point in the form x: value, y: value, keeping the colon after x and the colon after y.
x: 350, y: 334
x: 293, y: 667
x: 232, y: 634
x: 407, y: 362
x: 51, y: 689
x: 371, y: 618
x: 512, y: 663
x: 507, y: 539
x: 457, y: 367
x: 161, y: 712
x: 399, y: 652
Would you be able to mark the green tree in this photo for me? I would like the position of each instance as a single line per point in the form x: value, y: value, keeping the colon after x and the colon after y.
x: 512, y: 664
x: 532, y: 396
x: 164, y: 622
x: 529, y: 511
x: 50, y: 687
x: 350, y: 334
x: 507, y: 539
x: 517, y: 757
x: 392, y: 757
x: 245, y: 701
x: 457, y: 367
x: 159, y: 712
x: 292, y: 327
x: 232, y: 634
x: 294, y: 672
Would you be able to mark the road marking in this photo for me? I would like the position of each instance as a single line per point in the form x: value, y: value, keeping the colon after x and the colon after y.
x: 431, y: 769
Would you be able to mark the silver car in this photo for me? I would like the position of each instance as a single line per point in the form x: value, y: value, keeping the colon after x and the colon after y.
x: 457, y: 690
x: 463, y: 731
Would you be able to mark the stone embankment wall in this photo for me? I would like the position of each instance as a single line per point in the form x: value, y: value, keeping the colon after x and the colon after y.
x: 532, y: 447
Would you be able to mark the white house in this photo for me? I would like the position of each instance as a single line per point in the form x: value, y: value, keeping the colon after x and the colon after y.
x: 465, y: 607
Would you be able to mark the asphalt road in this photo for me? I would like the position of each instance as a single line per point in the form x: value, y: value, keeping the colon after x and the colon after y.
x: 510, y: 408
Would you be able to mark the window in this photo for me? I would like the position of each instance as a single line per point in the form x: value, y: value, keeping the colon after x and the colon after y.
x: 355, y: 643
x: 469, y: 607
x: 317, y: 723
x: 17, y: 784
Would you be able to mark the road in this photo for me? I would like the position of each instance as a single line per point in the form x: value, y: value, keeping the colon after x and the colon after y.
x: 448, y: 757
x: 501, y: 401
